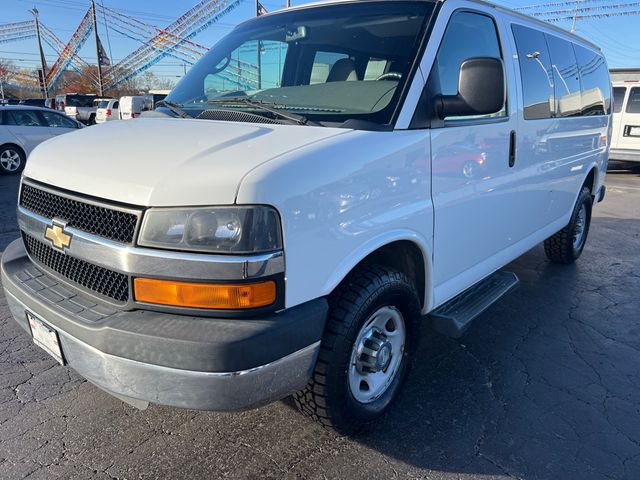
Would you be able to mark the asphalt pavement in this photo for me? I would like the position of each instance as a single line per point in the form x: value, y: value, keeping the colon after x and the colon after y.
x: 544, y: 385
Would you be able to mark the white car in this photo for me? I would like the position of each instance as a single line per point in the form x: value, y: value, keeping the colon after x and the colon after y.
x: 290, y: 229
x: 22, y: 128
x: 108, y: 110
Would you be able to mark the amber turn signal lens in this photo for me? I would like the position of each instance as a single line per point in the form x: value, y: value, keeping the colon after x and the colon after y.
x: 205, y: 295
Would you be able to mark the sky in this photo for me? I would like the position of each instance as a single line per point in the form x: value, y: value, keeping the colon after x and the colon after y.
x: 619, y: 37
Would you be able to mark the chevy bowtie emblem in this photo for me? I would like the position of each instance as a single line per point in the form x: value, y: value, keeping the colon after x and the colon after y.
x: 57, y: 236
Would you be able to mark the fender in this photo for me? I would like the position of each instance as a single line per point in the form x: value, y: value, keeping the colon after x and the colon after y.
x: 374, y: 244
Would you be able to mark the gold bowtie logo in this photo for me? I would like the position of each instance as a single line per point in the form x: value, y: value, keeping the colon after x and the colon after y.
x: 57, y: 236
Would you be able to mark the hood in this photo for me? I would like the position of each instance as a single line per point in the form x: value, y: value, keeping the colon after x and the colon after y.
x: 165, y: 161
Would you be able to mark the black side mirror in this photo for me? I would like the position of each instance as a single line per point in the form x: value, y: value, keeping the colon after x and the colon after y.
x: 481, y: 89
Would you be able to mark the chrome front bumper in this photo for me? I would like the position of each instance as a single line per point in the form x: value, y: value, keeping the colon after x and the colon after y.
x: 169, y: 359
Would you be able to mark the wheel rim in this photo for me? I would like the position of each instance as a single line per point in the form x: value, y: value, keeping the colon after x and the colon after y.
x: 580, y: 228
x: 10, y: 160
x: 377, y: 354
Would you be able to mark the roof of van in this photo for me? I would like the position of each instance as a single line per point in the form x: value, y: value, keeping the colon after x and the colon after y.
x: 510, y: 11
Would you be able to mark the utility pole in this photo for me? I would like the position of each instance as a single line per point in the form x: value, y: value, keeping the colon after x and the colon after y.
x: 259, y: 64
x: 43, y: 62
x: 95, y: 31
x: 575, y: 17
x: 288, y: 3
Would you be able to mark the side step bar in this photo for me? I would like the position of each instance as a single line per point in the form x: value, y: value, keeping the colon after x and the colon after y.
x: 455, y: 316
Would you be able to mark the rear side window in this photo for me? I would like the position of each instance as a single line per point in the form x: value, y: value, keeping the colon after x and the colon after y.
x: 115, y: 105
x: 596, y: 86
x: 536, y: 72
x: 456, y: 47
x: 566, y: 77
x: 618, y: 98
x: 633, y: 104
x: 22, y: 118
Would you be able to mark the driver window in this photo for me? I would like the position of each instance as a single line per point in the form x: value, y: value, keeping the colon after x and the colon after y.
x: 252, y: 66
x: 456, y: 48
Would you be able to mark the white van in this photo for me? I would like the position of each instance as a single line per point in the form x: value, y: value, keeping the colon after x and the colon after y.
x: 625, y: 140
x: 289, y: 230
x: 131, y: 107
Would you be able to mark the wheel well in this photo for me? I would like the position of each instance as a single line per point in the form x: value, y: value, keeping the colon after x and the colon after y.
x: 24, y: 154
x: 404, y: 256
x: 590, y: 180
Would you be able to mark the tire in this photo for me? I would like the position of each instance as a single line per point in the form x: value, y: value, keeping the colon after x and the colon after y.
x: 565, y: 247
x: 92, y: 120
x: 12, y: 160
x: 329, y: 397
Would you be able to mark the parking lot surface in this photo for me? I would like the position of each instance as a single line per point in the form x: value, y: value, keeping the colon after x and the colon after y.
x: 545, y: 385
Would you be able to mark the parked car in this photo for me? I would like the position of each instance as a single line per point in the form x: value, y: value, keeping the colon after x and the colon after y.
x: 285, y: 230
x: 108, y: 110
x: 22, y: 128
x: 131, y: 107
x: 625, y: 138
x: 33, y: 102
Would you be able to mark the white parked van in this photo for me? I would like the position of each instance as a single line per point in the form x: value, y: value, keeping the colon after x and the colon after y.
x: 625, y: 140
x: 130, y: 107
x: 289, y: 230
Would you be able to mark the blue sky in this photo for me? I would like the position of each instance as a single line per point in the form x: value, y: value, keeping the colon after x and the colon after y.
x: 619, y: 37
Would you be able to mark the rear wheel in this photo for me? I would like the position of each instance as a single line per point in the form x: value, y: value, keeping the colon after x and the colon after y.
x: 566, y: 246
x: 370, y: 337
x: 12, y: 159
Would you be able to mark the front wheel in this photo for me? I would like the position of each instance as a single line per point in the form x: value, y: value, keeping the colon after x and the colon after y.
x: 566, y: 246
x: 371, y: 334
x: 12, y: 160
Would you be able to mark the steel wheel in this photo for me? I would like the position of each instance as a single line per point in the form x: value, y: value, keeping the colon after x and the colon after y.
x: 580, y: 227
x: 377, y: 354
x: 10, y: 160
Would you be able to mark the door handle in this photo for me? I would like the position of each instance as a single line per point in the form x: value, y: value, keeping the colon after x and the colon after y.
x: 512, y: 148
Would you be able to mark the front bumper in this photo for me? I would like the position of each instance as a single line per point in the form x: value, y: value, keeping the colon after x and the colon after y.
x: 176, y: 360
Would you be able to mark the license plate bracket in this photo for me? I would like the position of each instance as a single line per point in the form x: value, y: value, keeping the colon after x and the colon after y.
x: 45, y: 337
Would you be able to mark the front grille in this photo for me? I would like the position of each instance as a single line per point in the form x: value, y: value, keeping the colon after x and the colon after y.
x: 104, y: 222
x: 92, y: 277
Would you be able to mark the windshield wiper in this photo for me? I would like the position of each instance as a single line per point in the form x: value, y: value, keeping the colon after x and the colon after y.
x: 174, y: 107
x: 266, y: 106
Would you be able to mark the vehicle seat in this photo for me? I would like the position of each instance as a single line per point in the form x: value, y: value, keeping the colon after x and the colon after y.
x: 344, y: 70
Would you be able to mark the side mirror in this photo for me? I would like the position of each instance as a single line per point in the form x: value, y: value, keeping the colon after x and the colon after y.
x: 481, y: 89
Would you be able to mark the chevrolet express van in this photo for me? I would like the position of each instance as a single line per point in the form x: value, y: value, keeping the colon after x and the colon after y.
x: 625, y: 139
x: 324, y: 182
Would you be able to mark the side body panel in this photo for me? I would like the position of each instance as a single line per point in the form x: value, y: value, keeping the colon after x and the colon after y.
x: 344, y: 199
x: 561, y: 151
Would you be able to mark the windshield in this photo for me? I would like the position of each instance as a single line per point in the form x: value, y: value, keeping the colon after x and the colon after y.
x: 103, y: 104
x: 330, y: 63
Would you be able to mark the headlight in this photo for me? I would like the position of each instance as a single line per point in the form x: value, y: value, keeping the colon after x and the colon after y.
x: 212, y: 229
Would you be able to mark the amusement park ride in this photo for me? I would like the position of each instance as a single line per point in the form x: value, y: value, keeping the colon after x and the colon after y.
x: 174, y: 40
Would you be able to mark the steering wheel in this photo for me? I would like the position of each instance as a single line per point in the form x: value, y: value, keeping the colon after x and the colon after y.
x: 390, y: 76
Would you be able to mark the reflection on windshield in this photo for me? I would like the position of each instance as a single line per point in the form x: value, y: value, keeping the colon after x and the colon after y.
x: 329, y: 63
